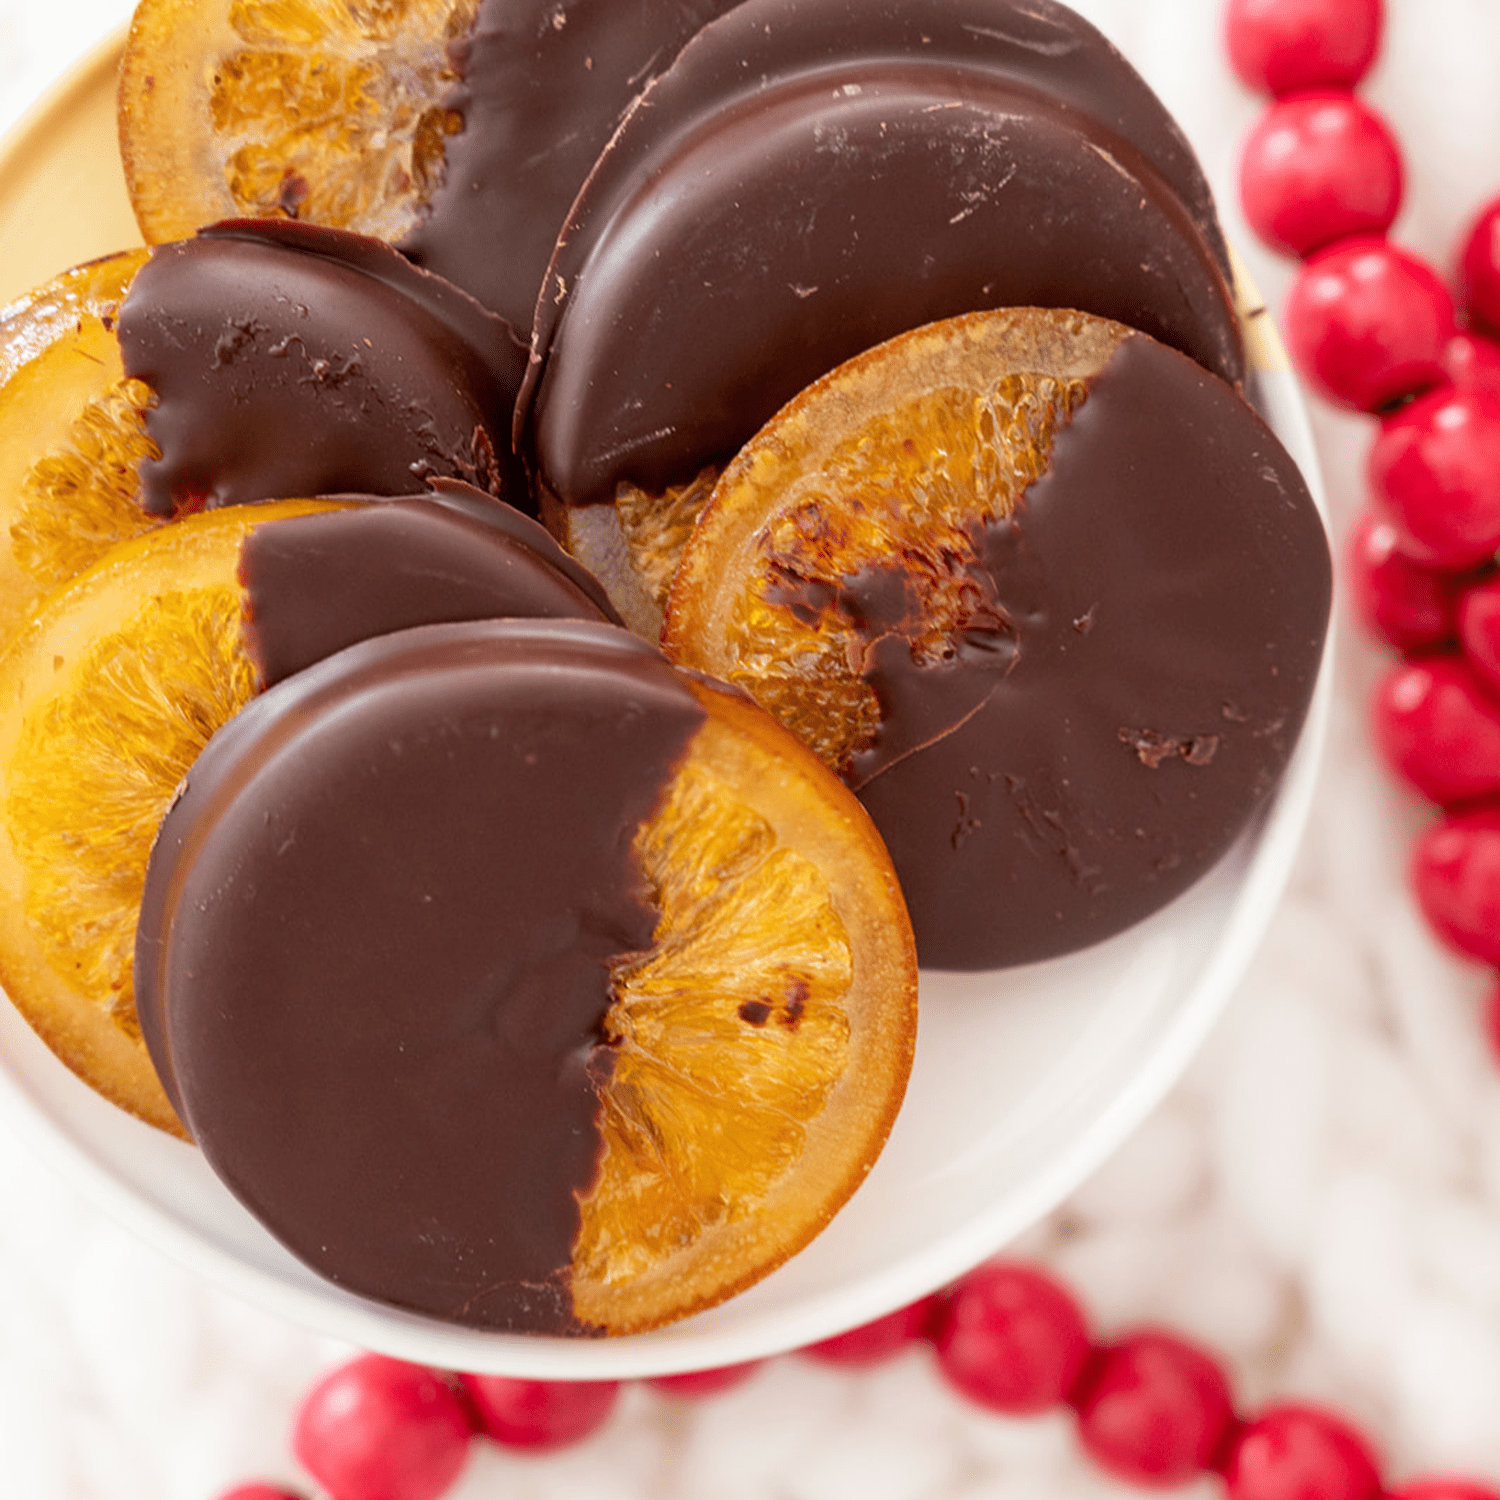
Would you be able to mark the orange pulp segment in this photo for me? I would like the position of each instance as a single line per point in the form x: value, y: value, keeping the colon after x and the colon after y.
x: 633, y: 547
x: 328, y: 111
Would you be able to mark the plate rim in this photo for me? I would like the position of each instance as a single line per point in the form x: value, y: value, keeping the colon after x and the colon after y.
x: 1278, y: 831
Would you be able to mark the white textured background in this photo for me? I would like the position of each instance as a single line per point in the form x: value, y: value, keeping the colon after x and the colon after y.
x: 1319, y: 1200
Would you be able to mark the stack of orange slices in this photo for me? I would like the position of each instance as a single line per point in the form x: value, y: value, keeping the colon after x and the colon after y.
x: 760, y: 1044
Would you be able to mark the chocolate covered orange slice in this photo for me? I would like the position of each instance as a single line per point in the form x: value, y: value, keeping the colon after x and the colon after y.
x: 252, y: 363
x: 808, y: 180
x: 514, y: 978
x: 113, y: 689
x: 1048, y: 595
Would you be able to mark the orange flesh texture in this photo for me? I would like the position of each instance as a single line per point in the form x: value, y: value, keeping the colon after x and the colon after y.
x: 763, y: 1045
x: 106, y: 699
x: 633, y: 547
x: 72, y: 434
x: 657, y: 528
x: 894, y: 458
x: 329, y: 111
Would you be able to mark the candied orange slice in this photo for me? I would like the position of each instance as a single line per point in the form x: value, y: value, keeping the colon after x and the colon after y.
x: 762, y: 1045
x: 900, y: 453
x: 595, y: 1088
x: 108, y: 696
x: 72, y: 433
x: 324, y: 110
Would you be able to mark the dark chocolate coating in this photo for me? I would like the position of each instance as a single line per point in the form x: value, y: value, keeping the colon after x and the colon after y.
x: 1147, y: 633
x: 375, y: 948
x: 290, y: 360
x: 317, y: 583
x: 775, y: 206
x: 543, y: 84
x: 773, y: 255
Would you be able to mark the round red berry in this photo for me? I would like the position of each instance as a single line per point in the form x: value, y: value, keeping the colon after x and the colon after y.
x: 1319, y: 167
x: 1472, y: 361
x: 1479, y: 269
x: 1280, y: 45
x: 693, y: 1384
x: 871, y: 1343
x: 1367, y: 323
x: 1434, y: 470
x: 1397, y: 599
x: 1479, y: 631
x: 1294, y: 1452
x: 381, y: 1429
x: 1439, y: 729
x: 539, y: 1413
x: 1445, y: 1487
x: 1011, y: 1339
x: 259, y: 1492
x: 1455, y: 872
x: 1154, y: 1410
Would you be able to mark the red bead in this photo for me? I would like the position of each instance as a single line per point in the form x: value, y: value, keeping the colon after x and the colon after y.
x: 696, y: 1383
x: 1296, y: 1452
x: 539, y: 1413
x: 1319, y: 167
x: 1435, y: 472
x: 871, y: 1343
x: 259, y: 1492
x: 381, y: 1429
x: 1479, y: 269
x: 1011, y: 1339
x: 1472, y: 362
x: 1455, y: 871
x: 1280, y: 45
x: 1445, y: 1487
x: 1154, y: 1410
x: 1396, y: 598
x: 1439, y: 730
x: 1479, y: 632
x: 1367, y: 323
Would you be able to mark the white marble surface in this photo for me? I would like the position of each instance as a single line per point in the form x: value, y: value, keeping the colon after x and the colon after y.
x: 1319, y: 1200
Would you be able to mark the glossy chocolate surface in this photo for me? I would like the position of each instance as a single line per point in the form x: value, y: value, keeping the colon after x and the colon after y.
x: 543, y: 84
x: 1147, y: 630
x: 317, y: 583
x: 290, y: 360
x: 782, y: 200
x: 375, y: 949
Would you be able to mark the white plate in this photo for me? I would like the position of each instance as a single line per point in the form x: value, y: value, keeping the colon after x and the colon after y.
x: 1023, y: 1083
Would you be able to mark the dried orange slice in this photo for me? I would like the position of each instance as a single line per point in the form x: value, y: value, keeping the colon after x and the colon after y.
x: 323, y: 110
x: 108, y: 696
x: 72, y: 433
x: 591, y: 996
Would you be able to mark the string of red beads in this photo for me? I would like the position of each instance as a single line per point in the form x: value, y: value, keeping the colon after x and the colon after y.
x: 1151, y: 1408
x: 1373, y: 328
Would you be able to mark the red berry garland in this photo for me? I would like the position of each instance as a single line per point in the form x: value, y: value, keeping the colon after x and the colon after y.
x: 1151, y: 1408
x: 1373, y: 327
